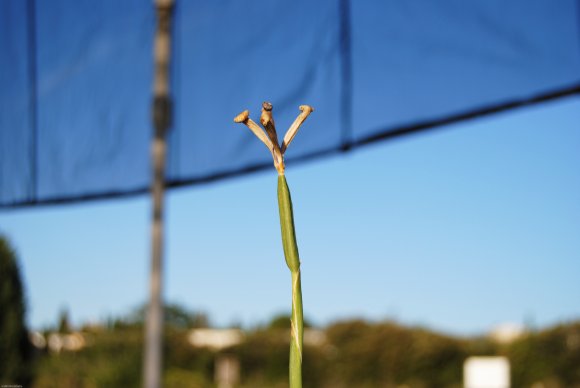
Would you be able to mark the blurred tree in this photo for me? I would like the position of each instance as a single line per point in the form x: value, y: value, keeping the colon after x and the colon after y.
x: 15, y: 348
x: 482, y: 346
x: 175, y: 316
x: 387, y: 354
x: 179, y: 317
x: 264, y: 358
x: 179, y: 378
x: 64, y: 323
x: 355, y: 354
x: 550, y: 357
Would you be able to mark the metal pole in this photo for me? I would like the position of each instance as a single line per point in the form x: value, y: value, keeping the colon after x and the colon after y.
x: 152, y: 370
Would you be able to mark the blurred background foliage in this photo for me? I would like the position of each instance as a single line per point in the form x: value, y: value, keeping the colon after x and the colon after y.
x: 355, y: 353
x: 15, y: 349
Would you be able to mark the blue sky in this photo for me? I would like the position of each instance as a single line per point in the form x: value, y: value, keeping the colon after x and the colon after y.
x: 458, y: 229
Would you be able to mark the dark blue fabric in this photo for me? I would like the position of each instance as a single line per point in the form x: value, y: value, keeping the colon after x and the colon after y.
x: 15, y: 104
x: 75, y: 80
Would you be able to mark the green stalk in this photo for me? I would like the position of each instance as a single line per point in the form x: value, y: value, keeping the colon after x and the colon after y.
x: 293, y: 262
x: 269, y: 137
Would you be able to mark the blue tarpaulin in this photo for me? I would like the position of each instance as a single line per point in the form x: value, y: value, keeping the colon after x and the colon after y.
x: 75, y: 81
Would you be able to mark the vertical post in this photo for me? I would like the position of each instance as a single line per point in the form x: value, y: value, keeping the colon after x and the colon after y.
x: 161, y: 112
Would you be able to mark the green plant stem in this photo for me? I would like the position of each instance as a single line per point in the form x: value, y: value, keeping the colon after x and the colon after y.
x: 293, y: 262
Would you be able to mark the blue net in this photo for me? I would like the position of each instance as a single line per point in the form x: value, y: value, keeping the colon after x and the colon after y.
x: 76, y: 77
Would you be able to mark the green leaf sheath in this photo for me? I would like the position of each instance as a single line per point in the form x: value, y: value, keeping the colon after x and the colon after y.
x: 293, y: 262
x: 287, y: 225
